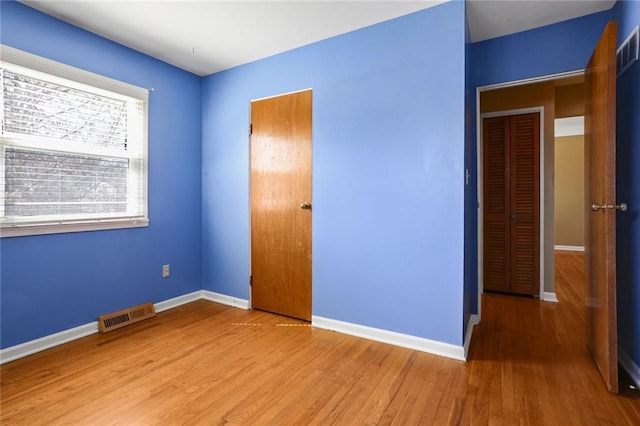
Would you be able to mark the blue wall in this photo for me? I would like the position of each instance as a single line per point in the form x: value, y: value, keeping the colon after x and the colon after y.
x: 627, y: 13
x: 388, y: 154
x: 394, y: 129
x: 55, y: 282
x: 470, y: 191
x: 561, y: 47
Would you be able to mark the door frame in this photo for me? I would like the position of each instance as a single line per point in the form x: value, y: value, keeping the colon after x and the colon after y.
x: 249, y: 185
x: 549, y: 297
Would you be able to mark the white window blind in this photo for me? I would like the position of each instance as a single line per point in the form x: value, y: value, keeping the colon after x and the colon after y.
x: 73, y: 154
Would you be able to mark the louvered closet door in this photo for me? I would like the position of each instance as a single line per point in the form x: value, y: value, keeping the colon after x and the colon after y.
x: 525, y: 237
x: 511, y: 200
x: 496, y: 202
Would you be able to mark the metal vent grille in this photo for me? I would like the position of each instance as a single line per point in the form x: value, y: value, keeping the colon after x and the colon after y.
x: 628, y: 52
x: 125, y: 317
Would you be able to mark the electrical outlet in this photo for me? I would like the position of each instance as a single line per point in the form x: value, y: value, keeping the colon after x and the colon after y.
x: 165, y: 271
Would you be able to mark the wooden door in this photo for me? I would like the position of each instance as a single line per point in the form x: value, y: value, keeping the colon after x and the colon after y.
x: 496, y: 179
x: 511, y: 203
x: 525, y: 200
x: 600, y: 188
x: 281, y: 204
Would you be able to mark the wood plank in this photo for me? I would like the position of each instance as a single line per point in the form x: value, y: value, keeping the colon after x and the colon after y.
x: 204, y: 363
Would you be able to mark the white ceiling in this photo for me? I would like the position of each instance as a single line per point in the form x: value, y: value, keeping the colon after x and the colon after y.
x: 495, y: 18
x: 205, y: 37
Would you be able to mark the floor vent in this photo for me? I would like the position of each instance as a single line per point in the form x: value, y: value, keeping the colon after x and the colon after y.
x: 628, y: 52
x: 124, y: 317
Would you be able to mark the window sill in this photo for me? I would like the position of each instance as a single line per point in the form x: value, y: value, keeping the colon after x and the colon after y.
x: 23, y: 230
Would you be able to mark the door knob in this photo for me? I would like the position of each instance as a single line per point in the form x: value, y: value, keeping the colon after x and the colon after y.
x: 604, y: 206
x: 514, y: 216
x: 305, y: 206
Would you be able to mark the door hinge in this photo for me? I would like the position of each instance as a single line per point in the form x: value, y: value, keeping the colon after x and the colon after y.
x: 250, y: 280
x: 250, y: 129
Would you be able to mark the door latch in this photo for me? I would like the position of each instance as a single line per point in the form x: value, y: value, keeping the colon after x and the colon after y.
x: 604, y: 206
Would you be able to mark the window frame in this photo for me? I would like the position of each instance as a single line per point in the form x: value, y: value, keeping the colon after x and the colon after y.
x: 39, y: 64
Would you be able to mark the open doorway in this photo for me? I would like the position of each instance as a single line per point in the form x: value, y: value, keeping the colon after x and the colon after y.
x: 569, y: 184
x: 600, y: 197
x: 557, y: 96
x: 569, y: 165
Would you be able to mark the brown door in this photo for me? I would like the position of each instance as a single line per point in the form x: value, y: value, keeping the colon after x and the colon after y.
x: 511, y: 203
x: 600, y: 182
x: 281, y: 204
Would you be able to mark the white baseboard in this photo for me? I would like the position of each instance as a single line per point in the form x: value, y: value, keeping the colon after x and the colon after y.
x: 225, y: 300
x: 177, y: 301
x: 549, y: 296
x: 24, y: 349
x: 404, y: 340
x: 473, y: 321
x: 391, y: 337
x: 629, y: 364
x: 569, y: 248
x: 31, y: 347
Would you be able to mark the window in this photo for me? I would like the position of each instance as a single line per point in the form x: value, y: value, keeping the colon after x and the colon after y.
x: 73, y: 149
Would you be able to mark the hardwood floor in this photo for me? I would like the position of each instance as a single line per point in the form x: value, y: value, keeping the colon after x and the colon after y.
x: 205, y: 363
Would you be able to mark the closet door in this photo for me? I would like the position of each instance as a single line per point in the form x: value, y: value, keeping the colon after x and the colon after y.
x: 512, y: 203
x: 496, y: 134
x: 524, y: 197
x: 281, y: 175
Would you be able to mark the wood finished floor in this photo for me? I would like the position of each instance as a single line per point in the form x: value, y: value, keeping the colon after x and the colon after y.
x: 205, y: 363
